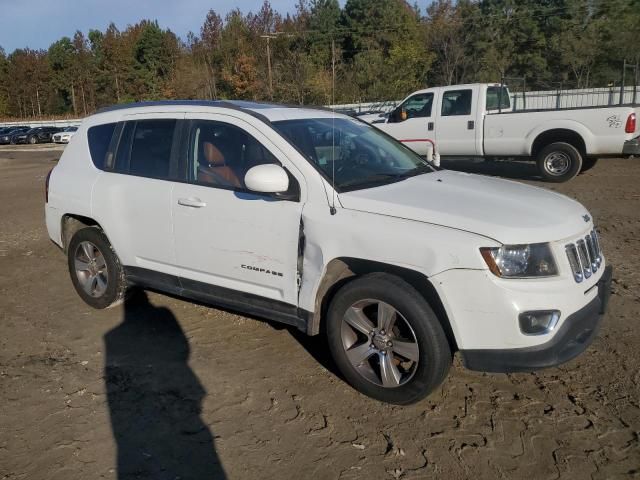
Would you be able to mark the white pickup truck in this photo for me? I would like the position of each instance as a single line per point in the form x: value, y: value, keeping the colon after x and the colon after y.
x: 477, y: 120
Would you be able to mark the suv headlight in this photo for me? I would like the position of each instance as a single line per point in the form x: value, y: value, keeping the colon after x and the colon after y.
x: 520, y: 261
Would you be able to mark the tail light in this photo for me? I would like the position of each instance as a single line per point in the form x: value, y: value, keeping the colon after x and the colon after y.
x: 630, y: 127
x: 46, y: 186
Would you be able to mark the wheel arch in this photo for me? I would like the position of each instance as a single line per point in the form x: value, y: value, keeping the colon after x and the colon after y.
x: 71, y: 223
x: 342, y: 270
x: 566, y: 135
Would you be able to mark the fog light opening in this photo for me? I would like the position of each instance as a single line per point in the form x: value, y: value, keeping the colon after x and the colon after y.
x: 538, y: 322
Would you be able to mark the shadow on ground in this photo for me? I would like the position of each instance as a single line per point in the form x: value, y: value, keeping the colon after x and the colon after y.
x: 155, y: 398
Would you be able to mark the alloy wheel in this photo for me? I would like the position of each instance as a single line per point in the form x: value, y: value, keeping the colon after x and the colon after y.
x: 380, y: 343
x: 91, y: 269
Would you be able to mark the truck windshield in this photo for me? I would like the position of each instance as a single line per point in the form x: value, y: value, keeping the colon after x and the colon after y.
x: 355, y: 154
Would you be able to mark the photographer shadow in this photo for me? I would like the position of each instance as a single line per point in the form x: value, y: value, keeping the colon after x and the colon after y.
x: 155, y: 398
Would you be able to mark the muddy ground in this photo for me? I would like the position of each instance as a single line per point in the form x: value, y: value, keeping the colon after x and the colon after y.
x: 171, y: 389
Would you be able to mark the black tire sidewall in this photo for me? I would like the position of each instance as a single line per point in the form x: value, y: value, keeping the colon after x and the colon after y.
x: 562, y: 147
x: 114, y: 291
x: 435, y: 355
x: 588, y: 163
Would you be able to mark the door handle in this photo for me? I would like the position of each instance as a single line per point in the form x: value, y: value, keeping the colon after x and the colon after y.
x: 430, y: 126
x: 470, y: 125
x: 191, y: 202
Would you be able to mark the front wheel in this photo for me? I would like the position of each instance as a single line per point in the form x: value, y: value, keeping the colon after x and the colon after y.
x: 559, y: 162
x: 33, y: 140
x: 95, y: 269
x: 386, y: 340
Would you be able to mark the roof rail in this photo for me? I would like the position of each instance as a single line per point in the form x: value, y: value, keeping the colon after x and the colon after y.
x: 240, y: 105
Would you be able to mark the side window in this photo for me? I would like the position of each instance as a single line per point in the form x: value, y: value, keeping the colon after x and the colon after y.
x: 145, y: 148
x: 418, y: 106
x: 456, y: 102
x: 99, y: 138
x: 497, y: 95
x: 220, y: 154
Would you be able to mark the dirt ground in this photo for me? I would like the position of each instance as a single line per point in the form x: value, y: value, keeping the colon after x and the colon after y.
x: 169, y: 389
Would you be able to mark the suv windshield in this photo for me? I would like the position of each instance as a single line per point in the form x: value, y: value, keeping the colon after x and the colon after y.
x: 356, y: 154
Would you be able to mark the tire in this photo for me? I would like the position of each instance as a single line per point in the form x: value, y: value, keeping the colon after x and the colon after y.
x: 588, y: 163
x: 100, y: 284
x: 33, y: 140
x: 414, y: 322
x: 559, y: 162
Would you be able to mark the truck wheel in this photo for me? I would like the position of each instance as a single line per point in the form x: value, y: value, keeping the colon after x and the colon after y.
x: 559, y: 162
x: 95, y: 269
x: 588, y: 163
x: 386, y: 340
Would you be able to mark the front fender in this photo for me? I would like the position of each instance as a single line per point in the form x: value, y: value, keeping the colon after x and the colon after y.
x: 422, y: 247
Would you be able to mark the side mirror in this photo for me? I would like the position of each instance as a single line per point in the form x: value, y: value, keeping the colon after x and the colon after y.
x: 268, y: 178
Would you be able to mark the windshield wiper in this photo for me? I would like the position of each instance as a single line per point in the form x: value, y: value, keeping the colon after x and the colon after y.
x: 419, y: 170
x: 382, y: 178
x: 378, y: 178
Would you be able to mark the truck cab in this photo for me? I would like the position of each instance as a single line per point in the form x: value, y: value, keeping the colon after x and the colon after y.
x: 450, y: 117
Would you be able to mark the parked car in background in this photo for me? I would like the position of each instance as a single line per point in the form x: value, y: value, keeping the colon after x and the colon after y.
x: 323, y: 222
x: 479, y: 120
x: 7, y: 135
x: 65, y: 135
x: 36, y: 135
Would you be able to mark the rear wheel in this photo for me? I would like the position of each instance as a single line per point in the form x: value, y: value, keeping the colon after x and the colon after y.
x: 95, y: 269
x: 559, y: 162
x: 33, y: 140
x: 386, y: 340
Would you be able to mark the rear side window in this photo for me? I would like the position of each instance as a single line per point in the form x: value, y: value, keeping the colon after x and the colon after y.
x: 99, y: 139
x: 497, y: 95
x: 456, y: 102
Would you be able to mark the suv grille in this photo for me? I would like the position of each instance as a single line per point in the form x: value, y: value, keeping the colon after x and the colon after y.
x: 584, y: 256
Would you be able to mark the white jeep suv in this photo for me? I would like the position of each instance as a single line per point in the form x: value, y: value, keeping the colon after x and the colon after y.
x: 325, y: 223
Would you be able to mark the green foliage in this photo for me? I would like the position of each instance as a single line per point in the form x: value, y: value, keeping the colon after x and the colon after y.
x: 379, y: 50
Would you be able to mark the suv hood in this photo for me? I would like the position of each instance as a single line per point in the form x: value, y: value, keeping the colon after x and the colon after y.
x: 503, y: 210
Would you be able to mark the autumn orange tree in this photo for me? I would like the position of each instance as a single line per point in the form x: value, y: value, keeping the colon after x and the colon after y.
x: 378, y: 49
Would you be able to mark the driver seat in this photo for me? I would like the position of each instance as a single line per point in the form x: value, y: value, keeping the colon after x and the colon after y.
x: 214, y: 169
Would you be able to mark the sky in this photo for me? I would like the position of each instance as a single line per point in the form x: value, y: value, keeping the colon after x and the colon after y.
x: 38, y: 23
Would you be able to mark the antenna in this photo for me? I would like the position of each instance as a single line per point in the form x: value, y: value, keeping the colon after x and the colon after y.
x: 332, y: 209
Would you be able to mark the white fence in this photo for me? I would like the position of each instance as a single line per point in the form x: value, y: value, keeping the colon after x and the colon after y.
x: 586, y: 97
x: 534, y: 100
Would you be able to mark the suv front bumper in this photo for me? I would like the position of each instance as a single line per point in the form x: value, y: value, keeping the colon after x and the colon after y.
x: 631, y: 147
x: 574, y: 336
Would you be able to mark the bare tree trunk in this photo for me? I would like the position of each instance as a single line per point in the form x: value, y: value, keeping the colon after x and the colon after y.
x: 117, y: 88
x: 33, y: 107
x: 84, y: 103
x: 38, y: 99
x: 73, y: 100
x: 215, y: 86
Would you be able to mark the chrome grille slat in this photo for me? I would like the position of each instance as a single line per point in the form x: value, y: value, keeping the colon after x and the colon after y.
x: 585, y: 256
x: 592, y: 253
